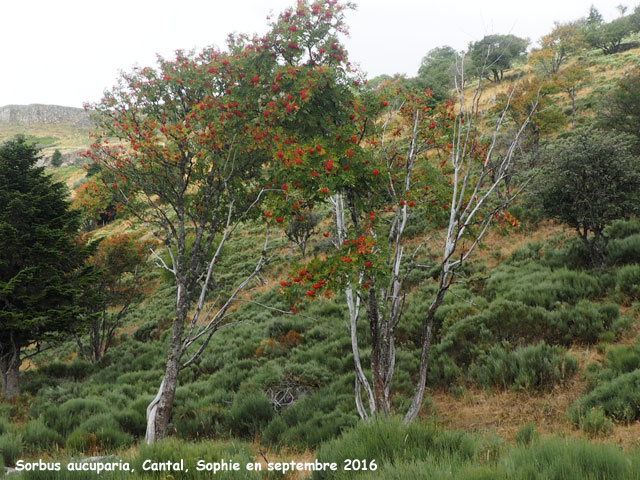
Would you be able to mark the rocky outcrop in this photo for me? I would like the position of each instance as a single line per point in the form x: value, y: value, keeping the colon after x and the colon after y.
x: 68, y: 159
x: 43, y: 114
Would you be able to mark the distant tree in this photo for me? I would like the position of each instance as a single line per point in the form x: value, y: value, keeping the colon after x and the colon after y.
x: 594, y: 17
x: 533, y: 99
x: 39, y: 257
x: 300, y: 229
x: 438, y: 70
x: 621, y: 108
x: 608, y: 36
x: 56, y: 158
x: 569, y: 80
x: 495, y: 54
x: 590, y: 180
x: 557, y: 47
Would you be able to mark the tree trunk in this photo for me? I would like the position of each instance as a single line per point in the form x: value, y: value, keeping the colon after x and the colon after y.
x: 427, y: 330
x: 10, y: 367
x: 159, y: 410
x: 382, y: 356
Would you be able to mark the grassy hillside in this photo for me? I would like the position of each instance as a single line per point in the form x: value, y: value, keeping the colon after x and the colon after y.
x: 534, y: 369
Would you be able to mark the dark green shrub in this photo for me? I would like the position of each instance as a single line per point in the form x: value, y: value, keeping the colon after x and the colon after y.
x: 10, y: 448
x: 174, y: 450
x: 624, y: 250
x: 132, y: 421
x: 66, y: 417
x: 567, y: 459
x: 534, y: 367
x: 622, y: 359
x: 146, y: 331
x: 250, y: 414
x: 628, y: 281
x: 582, y: 323
x: 391, y: 442
x: 97, y: 434
x: 79, y: 369
x: 618, y: 398
x: 38, y: 437
x: 622, y: 229
x: 573, y: 255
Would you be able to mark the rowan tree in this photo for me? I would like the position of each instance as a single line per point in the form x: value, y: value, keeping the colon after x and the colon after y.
x: 40, y: 255
x: 407, y: 161
x: 193, y: 138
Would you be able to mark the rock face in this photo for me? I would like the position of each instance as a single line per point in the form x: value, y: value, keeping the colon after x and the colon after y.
x: 43, y: 114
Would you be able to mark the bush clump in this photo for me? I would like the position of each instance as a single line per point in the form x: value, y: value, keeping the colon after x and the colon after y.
x: 534, y: 367
x: 628, y: 281
x: 10, y: 448
x: 250, y: 414
x: 618, y: 398
x: 38, y: 437
x: 97, y: 434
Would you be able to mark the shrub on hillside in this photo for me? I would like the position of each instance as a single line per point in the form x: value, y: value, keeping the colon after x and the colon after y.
x: 66, y: 417
x: 622, y: 229
x: 618, y: 398
x: 38, y: 437
x: 624, y: 251
x: 534, y: 367
x: 391, y: 442
x: 628, y: 281
x: 250, y: 414
x: 98, y: 434
x: 10, y: 448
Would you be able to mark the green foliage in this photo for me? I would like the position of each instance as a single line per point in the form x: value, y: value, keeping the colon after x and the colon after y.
x: 618, y: 398
x: 437, y: 71
x: 10, y: 448
x: 623, y: 251
x: 527, y: 434
x: 595, y: 423
x: 38, y: 254
x: 66, y: 417
x: 591, y: 180
x: 567, y: 459
x: 496, y: 53
x: 56, y: 158
x: 390, y: 442
x: 628, y: 281
x: 621, y: 229
x: 38, y: 437
x: 98, y: 433
x: 534, y: 367
x: 620, y: 110
x: 608, y: 36
x: 174, y: 450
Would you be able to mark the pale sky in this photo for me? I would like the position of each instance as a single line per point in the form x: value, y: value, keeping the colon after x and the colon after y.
x: 66, y: 52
